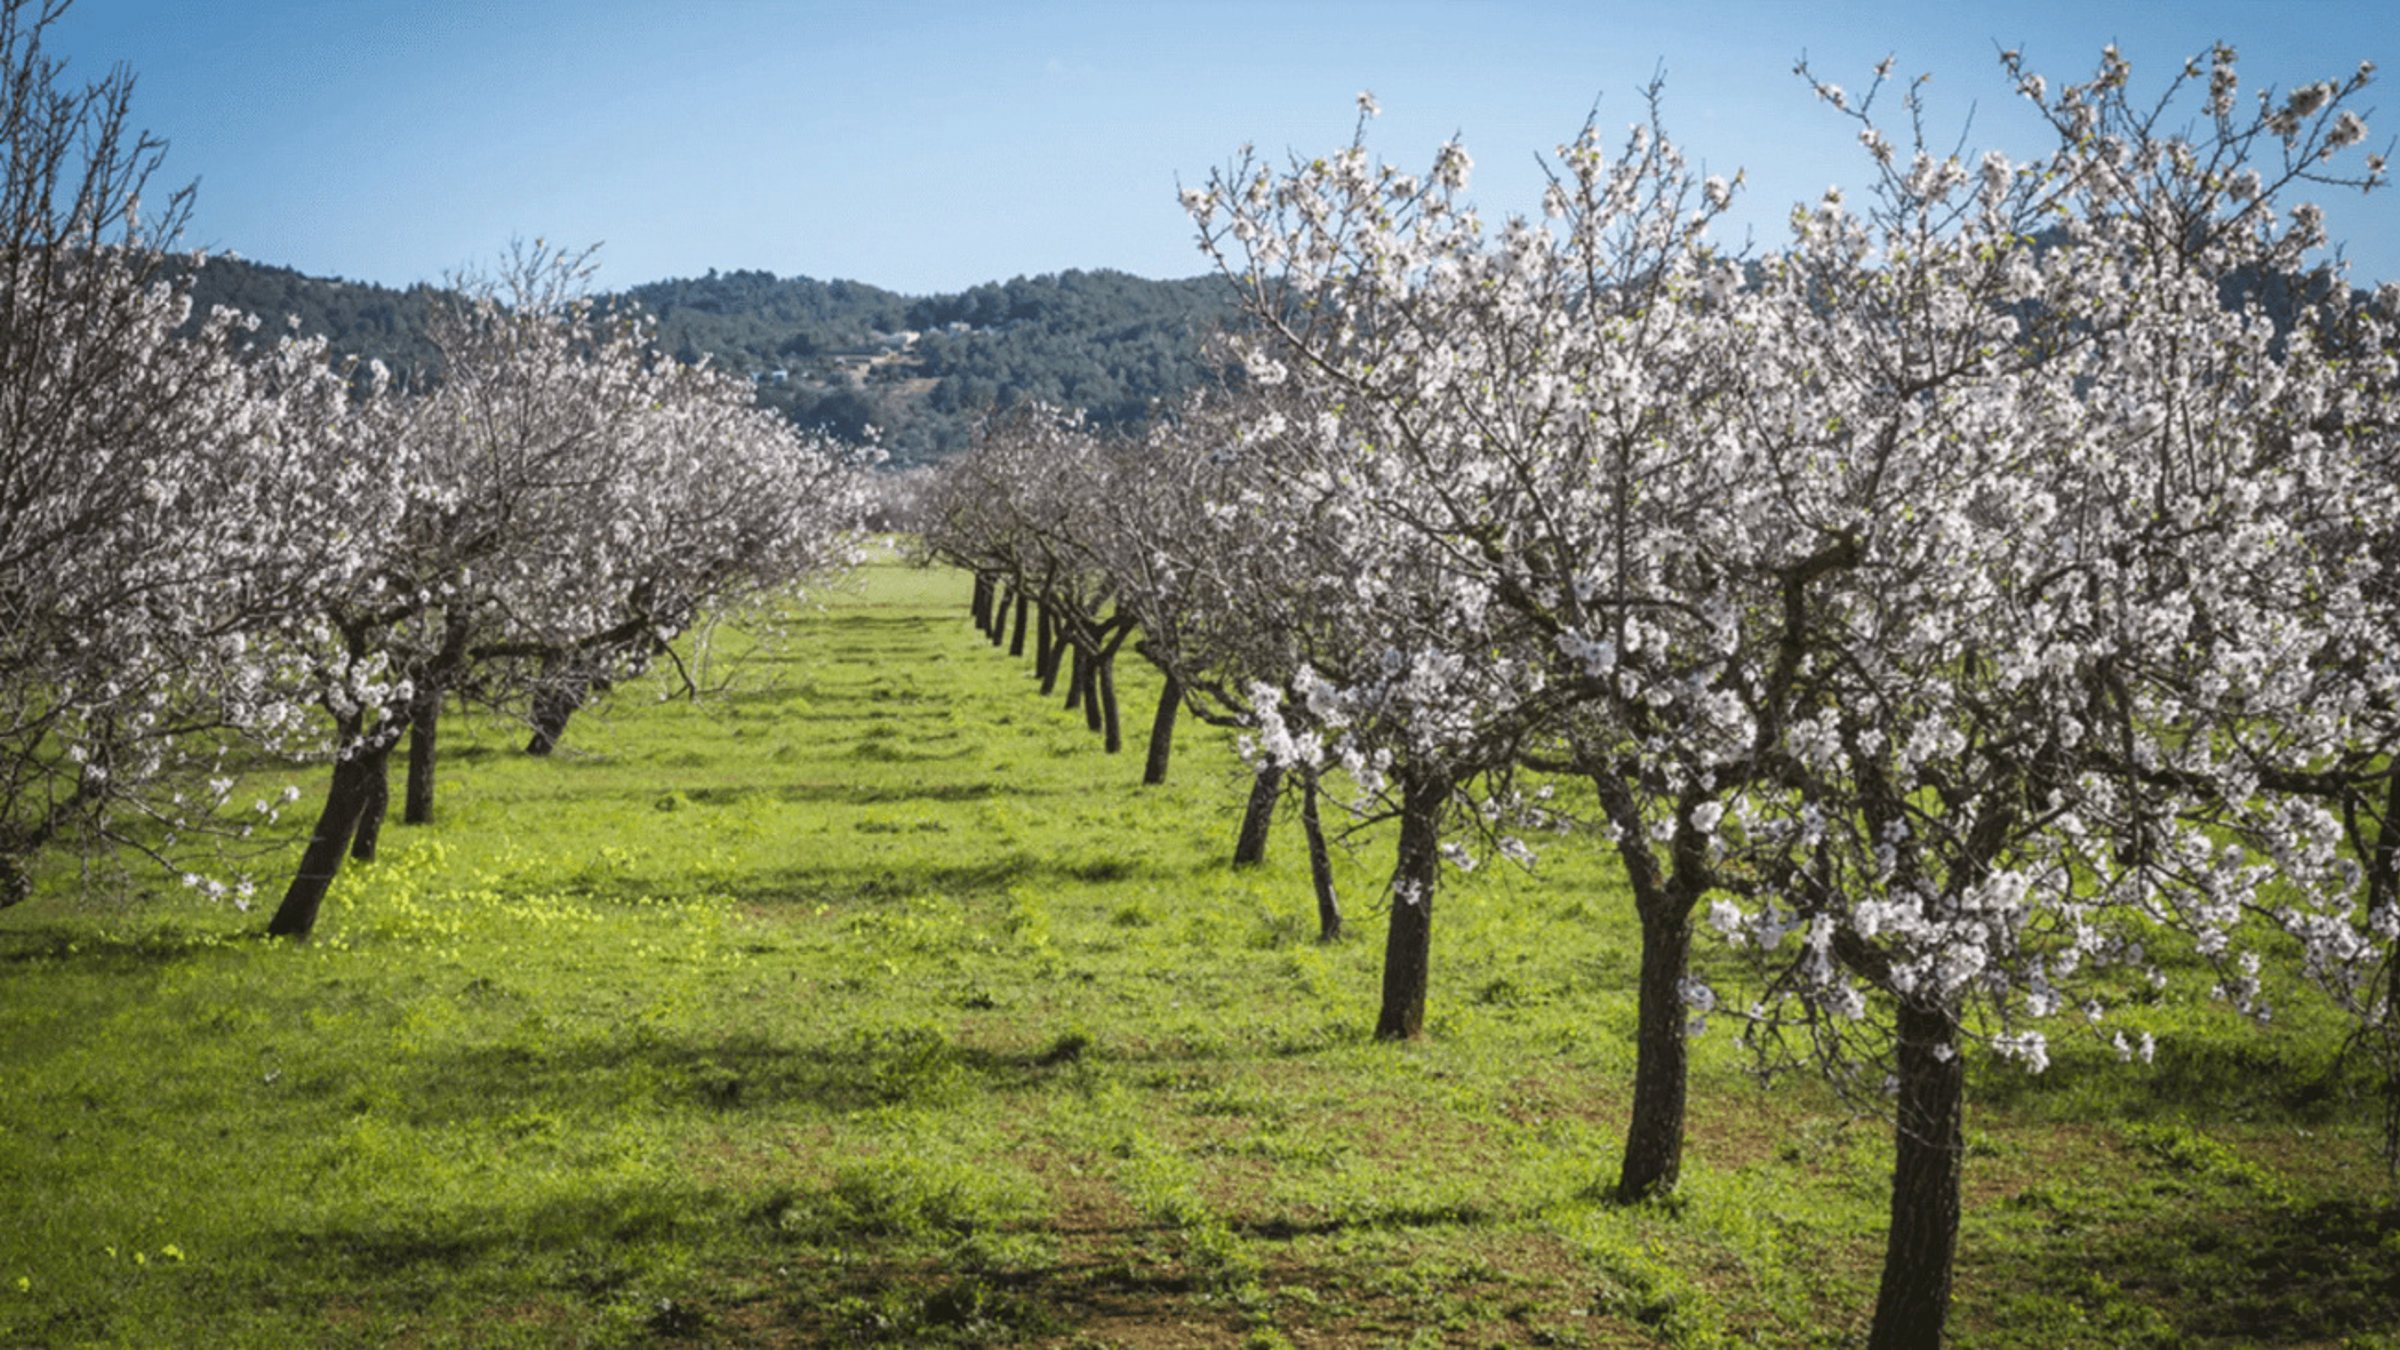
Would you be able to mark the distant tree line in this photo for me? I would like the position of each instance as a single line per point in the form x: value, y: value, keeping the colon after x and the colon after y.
x: 373, y: 323
x: 833, y: 355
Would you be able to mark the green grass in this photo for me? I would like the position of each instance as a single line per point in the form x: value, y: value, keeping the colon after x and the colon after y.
x: 871, y: 1004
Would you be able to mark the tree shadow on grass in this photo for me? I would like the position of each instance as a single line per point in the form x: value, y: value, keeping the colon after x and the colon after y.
x: 807, y: 888
x: 897, y: 1301
x: 865, y: 1069
x: 791, y: 889
x: 75, y: 943
x: 2204, y: 1260
x: 460, y: 751
x: 820, y: 793
x: 854, y: 1262
x: 590, y: 1244
x: 2248, y: 1078
x: 870, y: 883
x: 877, y: 794
x: 1107, y: 1276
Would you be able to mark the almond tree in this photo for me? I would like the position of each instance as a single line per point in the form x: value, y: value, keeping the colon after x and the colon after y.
x: 1775, y: 527
x: 1000, y: 512
x: 2100, y: 624
x: 597, y: 499
x: 1082, y: 533
x: 572, y: 503
x: 2353, y: 953
x: 1366, y: 648
x: 139, y: 462
x: 1022, y: 511
x: 1545, y: 409
x: 1189, y: 537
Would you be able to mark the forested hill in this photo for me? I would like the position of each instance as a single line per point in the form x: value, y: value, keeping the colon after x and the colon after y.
x: 368, y: 321
x: 839, y: 354
x: 843, y: 355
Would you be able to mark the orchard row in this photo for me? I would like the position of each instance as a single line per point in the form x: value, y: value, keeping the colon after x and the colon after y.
x: 211, y: 539
x: 1951, y: 608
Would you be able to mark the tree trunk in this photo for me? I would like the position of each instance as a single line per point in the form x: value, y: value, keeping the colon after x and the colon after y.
x: 553, y: 705
x: 1079, y: 675
x: 981, y: 606
x: 1654, y: 1138
x: 345, y: 801
x: 1016, y: 641
x: 1002, y: 600
x: 1046, y: 647
x: 1929, y: 1139
x: 1653, y: 1160
x: 1320, y: 863
x: 424, y: 735
x: 1162, y: 733
x: 371, y: 813
x: 1408, y: 942
x: 1250, y: 848
x: 1100, y: 702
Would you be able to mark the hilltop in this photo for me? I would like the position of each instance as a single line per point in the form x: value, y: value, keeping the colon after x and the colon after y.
x: 839, y: 355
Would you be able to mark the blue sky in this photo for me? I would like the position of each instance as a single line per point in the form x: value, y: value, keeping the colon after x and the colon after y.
x: 927, y: 145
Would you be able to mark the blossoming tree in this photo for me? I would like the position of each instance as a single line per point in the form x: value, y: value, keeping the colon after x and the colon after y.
x: 1547, y: 410
x: 2099, y: 632
x: 1019, y: 512
x: 1384, y: 650
x: 1942, y: 594
x: 141, y: 465
x: 571, y: 503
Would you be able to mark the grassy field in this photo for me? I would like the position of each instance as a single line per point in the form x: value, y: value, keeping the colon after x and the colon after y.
x: 871, y: 1004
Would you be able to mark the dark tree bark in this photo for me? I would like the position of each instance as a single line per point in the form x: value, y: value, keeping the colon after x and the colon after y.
x: 1162, y: 733
x: 981, y: 606
x: 1250, y: 847
x: 1661, y: 1067
x: 1929, y: 1142
x: 370, y: 815
x: 554, y: 703
x: 1047, y: 644
x: 337, y: 823
x: 1408, y: 943
x: 1104, y: 689
x: 1095, y: 669
x: 424, y: 749
x: 1003, y: 599
x: 2379, y: 842
x: 425, y: 717
x: 1663, y: 902
x: 1016, y: 641
x: 1320, y: 863
x: 1079, y: 675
